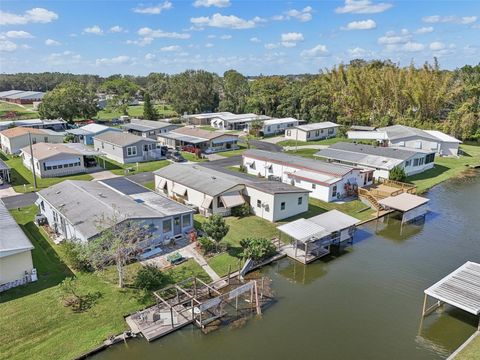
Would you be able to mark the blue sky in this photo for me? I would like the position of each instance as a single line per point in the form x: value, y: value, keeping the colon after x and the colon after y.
x: 254, y: 37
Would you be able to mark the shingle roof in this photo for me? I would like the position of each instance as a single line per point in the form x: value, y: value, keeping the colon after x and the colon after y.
x: 121, y: 138
x: 13, y: 239
x: 299, y: 162
x: 317, y: 126
x: 83, y: 203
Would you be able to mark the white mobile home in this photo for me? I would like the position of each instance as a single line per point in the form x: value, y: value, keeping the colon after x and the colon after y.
x: 313, y: 131
x: 13, y: 140
x: 325, y: 181
x: 148, y: 128
x: 218, y: 192
x: 277, y: 126
x: 379, y: 159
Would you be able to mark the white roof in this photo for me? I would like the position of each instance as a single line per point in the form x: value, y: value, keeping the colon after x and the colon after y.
x: 442, y: 136
x: 460, y: 288
x: 367, y: 135
x: 316, y: 176
x: 280, y: 121
x: 94, y: 128
x: 317, y: 126
x: 13, y: 239
x: 403, y: 202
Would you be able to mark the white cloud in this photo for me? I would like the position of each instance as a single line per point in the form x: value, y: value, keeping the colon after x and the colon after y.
x: 64, y: 58
x: 226, y: 37
x: 424, y: 30
x: 153, y: 10
x: 292, y: 37
x: 391, y: 38
x: 95, y: 30
x: 362, y: 7
x: 465, y: 20
x: 147, y: 32
x: 14, y: 34
x: 413, y: 47
x: 361, y: 25
x: 225, y: 21
x: 303, y: 15
x: 122, y: 59
x: 149, y: 57
x: 270, y: 46
x: 215, y: 3
x: 51, y: 42
x: 117, y: 29
x: 255, y: 39
x: 357, y: 52
x: 436, y: 46
x: 315, y: 52
x: 209, y: 45
x: 171, y: 48
x: 35, y: 15
x: 7, y: 46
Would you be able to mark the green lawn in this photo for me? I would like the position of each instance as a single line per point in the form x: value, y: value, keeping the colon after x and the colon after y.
x: 309, y: 153
x: 471, y: 351
x: 150, y: 185
x: 121, y: 169
x: 446, y: 168
x: 243, y: 148
x: 191, y: 157
x: 135, y: 111
x: 22, y: 178
x: 329, y: 141
x: 9, y: 111
x: 36, y: 325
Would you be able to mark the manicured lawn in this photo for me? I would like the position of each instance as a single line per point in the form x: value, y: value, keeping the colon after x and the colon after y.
x: 191, y: 157
x: 150, y: 185
x: 135, y: 111
x: 446, y: 168
x: 315, y: 142
x: 120, y: 169
x: 9, y: 111
x: 231, y: 153
x: 471, y: 351
x: 35, y: 324
x: 353, y: 208
x: 309, y: 153
x: 22, y: 178
x: 229, y: 260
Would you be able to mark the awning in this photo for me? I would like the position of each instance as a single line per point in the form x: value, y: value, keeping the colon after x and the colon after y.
x: 206, y: 202
x: 179, y: 189
x: 232, y: 199
x: 162, y: 184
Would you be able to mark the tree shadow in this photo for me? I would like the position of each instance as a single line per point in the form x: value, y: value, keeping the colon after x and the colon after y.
x: 430, y: 173
x: 86, y: 302
x: 17, y: 178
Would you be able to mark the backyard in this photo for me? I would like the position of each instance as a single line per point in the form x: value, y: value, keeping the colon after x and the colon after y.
x: 22, y: 178
x: 36, y: 324
x: 10, y: 111
x: 133, y: 168
x: 135, y: 111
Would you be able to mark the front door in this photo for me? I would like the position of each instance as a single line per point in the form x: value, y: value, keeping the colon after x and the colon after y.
x: 177, y: 225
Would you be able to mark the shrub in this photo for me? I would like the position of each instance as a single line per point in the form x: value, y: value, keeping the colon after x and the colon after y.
x: 398, y: 174
x: 216, y: 228
x: 257, y: 248
x: 149, y: 277
x: 207, y: 244
x: 75, y: 254
x: 241, y: 210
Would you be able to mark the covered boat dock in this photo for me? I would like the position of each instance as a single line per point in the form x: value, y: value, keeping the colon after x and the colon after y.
x: 460, y: 289
x: 412, y: 207
x: 306, y: 240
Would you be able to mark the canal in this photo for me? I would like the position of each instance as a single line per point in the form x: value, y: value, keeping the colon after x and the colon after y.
x: 362, y: 304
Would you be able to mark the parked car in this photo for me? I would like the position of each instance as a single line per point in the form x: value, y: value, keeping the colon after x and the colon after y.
x: 175, y: 156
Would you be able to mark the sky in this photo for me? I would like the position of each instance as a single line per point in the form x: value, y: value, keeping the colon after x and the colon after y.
x: 253, y: 37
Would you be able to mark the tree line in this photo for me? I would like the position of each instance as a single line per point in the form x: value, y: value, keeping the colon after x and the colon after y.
x: 375, y: 93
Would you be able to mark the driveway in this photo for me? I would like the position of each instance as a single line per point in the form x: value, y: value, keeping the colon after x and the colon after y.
x: 267, y: 146
x: 18, y: 201
x: 225, y: 162
x: 317, y: 147
x: 274, y: 140
x: 103, y: 175
x: 142, y: 178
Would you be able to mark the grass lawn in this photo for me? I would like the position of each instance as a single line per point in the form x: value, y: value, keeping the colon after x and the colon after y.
x: 120, y: 169
x: 243, y: 148
x: 329, y: 141
x: 191, y: 157
x: 9, y: 111
x: 22, y: 178
x: 308, y: 153
x: 446, y: 168
x: 35, y: 324
x: 471, y: 351
x: 150, y: 185
x: 135, y: 111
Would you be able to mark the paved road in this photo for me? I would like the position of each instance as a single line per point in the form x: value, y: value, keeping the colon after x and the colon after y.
x: 17, y: 201
x: 263, y: 145
x: 142, y: 178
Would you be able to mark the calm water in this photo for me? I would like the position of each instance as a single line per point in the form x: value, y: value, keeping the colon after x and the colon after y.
x: 363, y: 304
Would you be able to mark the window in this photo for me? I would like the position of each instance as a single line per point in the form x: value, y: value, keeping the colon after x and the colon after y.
x: 289, y: 132
x: 317, y: 133
x: 331, y: 131
x: 103, y: 146
x: 176, y: 221
x: 300, y: 200
x: 45, y: 139
x: 145, y: 147
x: 370, y: 176
x: 314, y: 186
x: 187, y: 220
x: 415, y: 162
x: 421, y: 161
x: 259, y: 203
x: 408, y: 163
x: 334, y: 191
x: 131, y: 151
x: 167, y: 226
x: 308, y: 135
x: 429, y: 158
x: 54, y: 167
x: 282, y: 205
x: 34, y: 141
x: 417, y: 145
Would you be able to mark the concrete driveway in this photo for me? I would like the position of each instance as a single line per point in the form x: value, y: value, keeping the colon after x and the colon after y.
x: 21, y: 200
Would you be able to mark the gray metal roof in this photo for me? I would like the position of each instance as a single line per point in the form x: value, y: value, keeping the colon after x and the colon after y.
x: 146, y: 125
x: 299, y: 162
x: 27, y: 94
x: 461, y: 288
x: 121, y: 139
x: 83, y: 203
x: 181, y: 137
x: 388, y: 152
x: 13, y: 239
x: 401, y: 131
x: 3, y: 165
x: 377, y: 162
x: 7, y: 93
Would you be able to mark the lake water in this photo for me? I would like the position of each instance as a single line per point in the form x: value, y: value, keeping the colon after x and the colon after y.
x: 363, y: 304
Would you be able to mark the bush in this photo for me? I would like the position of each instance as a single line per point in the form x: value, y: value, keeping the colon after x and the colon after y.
x: 75, y: 255
x: 398, y: 174
x: 207, y: 244
x: 149, y: 277
x: 241, y: 211
x: 257, y: 248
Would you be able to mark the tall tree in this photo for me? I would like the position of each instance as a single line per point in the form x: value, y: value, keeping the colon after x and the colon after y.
x: 235, y: 92
x: 69, y: 101
x: 122, y: 91
x: 149, y: 111
x: 216, y: 228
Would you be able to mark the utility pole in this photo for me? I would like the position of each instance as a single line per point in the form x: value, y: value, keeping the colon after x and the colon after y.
x: 32, y: 162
